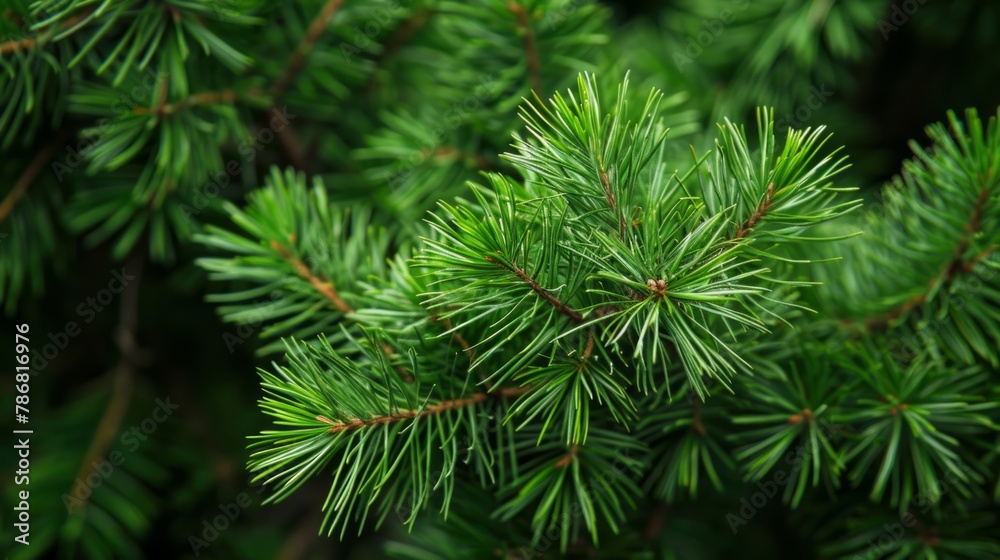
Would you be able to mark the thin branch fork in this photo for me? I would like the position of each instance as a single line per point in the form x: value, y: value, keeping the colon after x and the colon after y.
x: 552, y: 300
x: 696, y: 423
x: 355, y: 423
x: 588, y: 350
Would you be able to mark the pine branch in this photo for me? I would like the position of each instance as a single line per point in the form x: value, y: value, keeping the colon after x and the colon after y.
x: 431, y: 410
x: 954, y: 268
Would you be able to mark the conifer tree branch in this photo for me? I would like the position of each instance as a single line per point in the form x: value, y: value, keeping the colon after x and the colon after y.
x: 530, y: 48
x: 656, y: 521
x: 298, y: 58
x: 955, y: 267
x: 13, y: 17
x: 31, y: 173
x: 552, y: 300
x: 464, y: 344
x: 442, y: 406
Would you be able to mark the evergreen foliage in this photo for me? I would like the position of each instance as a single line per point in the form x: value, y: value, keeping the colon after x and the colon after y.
x: 522, y: 279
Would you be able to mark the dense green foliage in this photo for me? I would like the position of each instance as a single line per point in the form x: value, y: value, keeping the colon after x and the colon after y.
x: 520, y: 279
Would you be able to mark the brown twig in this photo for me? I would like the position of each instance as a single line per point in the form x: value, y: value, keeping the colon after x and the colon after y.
x: 446, y: 152
x: 14, y: 18
x: 330, y: 292
x: 806, y: 415
x: 31, y: 173
x: 298, y: 58
x: 442, y: 406
x: 204, y: 98
x: 293, y: 147
x: 566, y: 459
x: 552, y: 300
x: 697, y: 425
x: 656, y: 521
x: 530, y: 48
x: 762, y: 209
x: 322, y: 286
